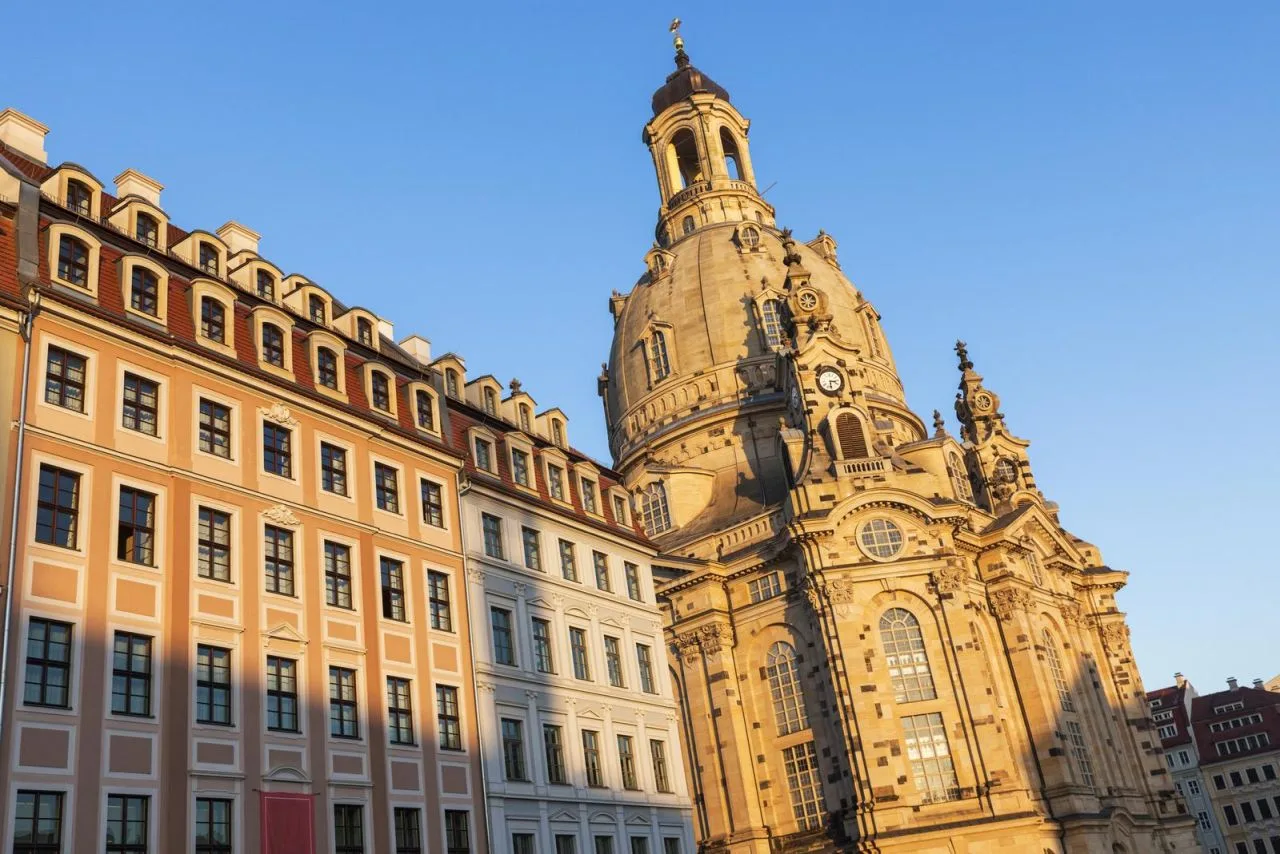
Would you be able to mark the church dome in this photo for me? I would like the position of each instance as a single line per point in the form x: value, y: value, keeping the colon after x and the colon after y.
x: 682, y: 83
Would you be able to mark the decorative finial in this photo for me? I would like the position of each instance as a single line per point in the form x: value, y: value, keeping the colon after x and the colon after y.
x: 677, y: 40
x: 939, y: 426
x: 515, y: 386
x: 963, y: 352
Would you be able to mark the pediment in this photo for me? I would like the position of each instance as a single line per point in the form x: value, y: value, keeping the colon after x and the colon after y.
x: 564, y: 815
x: 603, y: 817
x: 285, y: 632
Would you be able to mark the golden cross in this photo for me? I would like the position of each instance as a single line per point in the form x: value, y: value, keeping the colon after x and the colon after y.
x: 675, y: 28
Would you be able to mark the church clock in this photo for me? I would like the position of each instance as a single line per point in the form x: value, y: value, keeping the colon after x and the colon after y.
x: 830, y: 380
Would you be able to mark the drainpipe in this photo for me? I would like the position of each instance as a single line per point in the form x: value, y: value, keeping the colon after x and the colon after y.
x: 28, y: 261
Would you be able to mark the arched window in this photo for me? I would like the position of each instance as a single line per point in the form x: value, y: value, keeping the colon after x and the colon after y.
x: 213, y: 320
x: 147, y: 230
x: 905, y: 656
x: 327, y: 368
x: 490, y: 401
x: 659, y: 362
x: 79, y: 197
x: 784, y: 684
x: 266, y: 285
x: 1055, y: 670
x: 654, y: 510
x: 682, y: 154
x: 273, y: 345
x: 425, y: 412
x: 849, y: 436
x: 451, y: 382
x: 73, y: 261
x: 687, y: 225
x: 729, y: 146
x: 209, y: 259
x: 364, y: 331
x: 315, y: 308
x: 771, y: 315
x: 959, y: 477
x: 749, y: 236
x: 524, y: 417
x: 380, y: 390
x: 144, y: 291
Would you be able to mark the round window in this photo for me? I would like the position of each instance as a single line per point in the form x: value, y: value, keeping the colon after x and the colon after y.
x: 750, y: 237
x: 881, y: 538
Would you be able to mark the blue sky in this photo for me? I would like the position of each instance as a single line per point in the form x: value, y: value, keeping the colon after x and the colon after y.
x: 1086, y: 192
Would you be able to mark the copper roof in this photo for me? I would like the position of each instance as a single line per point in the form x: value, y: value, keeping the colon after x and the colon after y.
x: 682, y: 83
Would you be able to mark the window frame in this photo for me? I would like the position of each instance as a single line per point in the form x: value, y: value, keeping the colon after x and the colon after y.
x: 216, y: 680
x: 280, y: 694
x: 55, y: 508
x: 63, y: 358
x: 45, y: 663
x: 346, y: 707
x: 132, y: 675
x: 134, y: 406
x: 334, y: 577
x: 400, y: 728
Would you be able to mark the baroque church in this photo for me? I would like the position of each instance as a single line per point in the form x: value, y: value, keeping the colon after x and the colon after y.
x: 881, y: 636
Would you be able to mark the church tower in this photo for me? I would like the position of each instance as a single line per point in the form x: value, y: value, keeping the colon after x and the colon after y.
x: 882, y: 638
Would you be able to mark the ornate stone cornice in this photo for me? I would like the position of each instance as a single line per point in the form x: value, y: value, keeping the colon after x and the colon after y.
x: 950, y: 578
x: 706, y: 641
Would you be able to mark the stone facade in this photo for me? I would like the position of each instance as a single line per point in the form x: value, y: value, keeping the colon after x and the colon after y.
x: 882, y: 638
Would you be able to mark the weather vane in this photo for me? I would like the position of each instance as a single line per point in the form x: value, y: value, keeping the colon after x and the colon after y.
x: 678, y: 41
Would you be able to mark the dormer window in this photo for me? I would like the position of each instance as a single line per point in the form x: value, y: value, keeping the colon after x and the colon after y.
x: 147, y: 230
x: 490, y: 401
x: 424, y: 411
x: 620, y: 509
x: 327, y: 368
x: 557, y: 431
x: 484, y: 454
x: 555, y: 481
x: 144, y: 292
x: 659, y: 361
x: 771, y: 315
x: 451, y: 382
x: 73, y: 261
x: 524, y: 417
x: 654, y: 510
x: 213, y: 320
x: 750, y: 236
x: 315, y: 308
x: 588, y: 495
x: 209, y: 259
x: 266, y: 285
x: 273, y: 345
x: 520, y: 466
x: 79, y: 197
x: 364, y: 332
x: 380, y: 390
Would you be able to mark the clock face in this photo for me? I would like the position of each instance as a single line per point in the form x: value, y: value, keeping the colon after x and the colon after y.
x: 830, y: 380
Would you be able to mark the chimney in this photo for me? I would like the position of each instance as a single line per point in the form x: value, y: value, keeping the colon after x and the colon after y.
x: 1232, y: 684
x: 238, y: 238
x: 1257, y: 683
x: 1179, y: 680
x: 23, y: 134
x: 130, y: 182
x: 386, y: 328
x: 417, y: 347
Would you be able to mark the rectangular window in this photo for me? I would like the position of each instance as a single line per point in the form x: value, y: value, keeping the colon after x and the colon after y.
x: 1251, y: 774
x: 632, y: 574
x: 277, y: 547
x: 578, y: 650
x: 555, y: 481
x: 627, y: 762
x: 1264, y: 809
x: 1230, y: 812
x: 671, y: 845
x: 601, y: 563
x: 591, y: 758
x: 37, y: 822
x: 386, y: 487
x: 215, y: 429
x: 566, y: 844
x: 457, y: 832
x: 542, y: 660
x: 337, y: 575
x: 553, y: 747
x: 588, y: 495
x: 392, y: 572
x: 532, y: 548
x: 613, y: 661
x: 213, y: 826
x: 604, y: 845
x: 520, y: 466
x: 282, y: 694
x: 348, y: 829
x: 644, y: 660
x: 1193, y: 787
x: 213, y: 320
x: 438, y: 601
x: 131, y: 675
x: 213, y: 545
x: 930, y: 757
x: 639, y: 845
x: 447, y: 718
x: 484, y: 455
x: 408, y: 821
x: 343, y: 707
x: 213, y: 685
x: 64, y: 379
x: 1219, y: 782
x: 277, y: 450
x: 136, y: 532
x: 432, y: 504
x: 513, y: 749
x: 1203, y: 821
x: 141, y: 404
x: 504, y: 651
x: 801, y: 766
x: 333, y: 469
x: 400, y: 710
x: 1246, y: 811
x: 127, y: 824
x: 58, y: 507
x: 522, y: 843
x: 765, y: 587
x: 1075, y: 738
x: 661, y: 777
x: 492, y: 527
x: 568, y: 561
x: 619, y: 509
x: 48, y: 681
x: 1167, y: 731
x: 1236, y: 779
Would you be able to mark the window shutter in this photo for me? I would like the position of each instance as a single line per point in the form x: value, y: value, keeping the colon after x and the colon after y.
x: 853, y: 445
